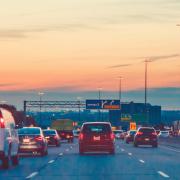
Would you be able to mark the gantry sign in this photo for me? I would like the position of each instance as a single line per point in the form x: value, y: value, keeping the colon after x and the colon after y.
x: 53, y: 105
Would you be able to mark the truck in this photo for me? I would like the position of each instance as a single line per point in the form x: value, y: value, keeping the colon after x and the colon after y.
x: 64, y: 128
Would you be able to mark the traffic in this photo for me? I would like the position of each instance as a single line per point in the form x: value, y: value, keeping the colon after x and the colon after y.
x: 92, y: 140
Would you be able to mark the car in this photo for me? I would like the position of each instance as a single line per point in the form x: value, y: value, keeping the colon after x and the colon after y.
x: 66, y: 135
x: 164, y: 134
x: 146, y: 136
x: 9, y: 141
x: 32, y: 140
x: 130, y: 136
x: 52, y: 137
x: 117, y: 133
x: 76, y: 133
x: 96, y: 136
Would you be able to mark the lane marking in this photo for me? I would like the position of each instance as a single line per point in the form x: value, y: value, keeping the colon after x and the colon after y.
x: 122, y: 150
x: 60, y: 154
x: 32, y: 175
x: 170, y: 149
x: 140, y: 160
x: 130, y: 154
x: 117, y: 147
x: 163, y: 174
x: 50, y: 162
x: 67, y: 150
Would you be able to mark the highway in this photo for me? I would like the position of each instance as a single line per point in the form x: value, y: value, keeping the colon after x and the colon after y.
x: 128, y: 163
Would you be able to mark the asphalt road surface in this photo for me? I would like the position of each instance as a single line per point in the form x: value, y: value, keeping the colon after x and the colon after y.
x: 128, y: 163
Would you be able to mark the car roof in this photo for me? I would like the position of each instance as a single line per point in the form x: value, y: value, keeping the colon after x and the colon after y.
x: 146, y: 128
x: 97, y: 123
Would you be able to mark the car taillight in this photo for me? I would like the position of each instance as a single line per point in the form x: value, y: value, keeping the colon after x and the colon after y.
x: 81, y: 136
x: 154, y: 134
x: 39, y: 138
x: 55, y: 137
x: 112, y: 136
x: 139, y: 133
x: 2, y: 125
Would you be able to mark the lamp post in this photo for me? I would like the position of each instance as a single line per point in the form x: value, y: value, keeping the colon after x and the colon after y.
x: 40, y: 98
x: 79, y: 106
x: 99, y: 95
x: 120, y: 87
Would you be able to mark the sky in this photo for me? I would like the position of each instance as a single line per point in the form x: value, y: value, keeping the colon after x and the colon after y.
x: 76, y: 46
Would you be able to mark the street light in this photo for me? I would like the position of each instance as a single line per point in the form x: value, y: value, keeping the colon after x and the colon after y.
x: 99, y: 94
x: 79, y: 106
x: 40, y: 98
x: 120, y: 87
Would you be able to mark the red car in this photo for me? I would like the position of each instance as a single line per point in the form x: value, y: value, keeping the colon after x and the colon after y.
x: 96, y: 136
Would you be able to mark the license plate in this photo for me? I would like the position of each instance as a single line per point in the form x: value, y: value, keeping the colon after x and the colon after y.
x: 146, y: 139
x: 96, y: 138
x: 47, y: 137
x: 26, y: 140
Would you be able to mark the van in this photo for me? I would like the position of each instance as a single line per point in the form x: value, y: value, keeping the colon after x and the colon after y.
x: 9, y: 141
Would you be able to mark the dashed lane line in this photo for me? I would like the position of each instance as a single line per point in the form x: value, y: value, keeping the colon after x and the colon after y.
x: 50, y: 162
x: 130, y: 154
x: 171, y: 149
x: 163, y: 174
x: 60, y: 154
x: 32, y: 175
x: 122, y: 150
x: 140, y: 160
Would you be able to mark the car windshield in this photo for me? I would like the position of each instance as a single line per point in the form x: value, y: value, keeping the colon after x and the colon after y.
x: 49, y: 132
x: 147, y: 130
x: 97, y: 128
x: 29, y: 131
x: 164, y: 132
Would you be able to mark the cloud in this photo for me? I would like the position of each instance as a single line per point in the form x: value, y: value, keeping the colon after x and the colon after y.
x: 119, y: 65
x: 23, y: 33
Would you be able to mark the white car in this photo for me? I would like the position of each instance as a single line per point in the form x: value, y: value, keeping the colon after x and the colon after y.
x: 164, y: 134
x: 9, y: 141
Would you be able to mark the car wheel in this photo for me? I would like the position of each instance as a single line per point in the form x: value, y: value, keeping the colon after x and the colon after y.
x: 127, y: 142
x: 5, y: 162
x: 57, y: 144
x: 81, y: 151
x: 155, y: 145
x: 135, y: 144
x: 15, y: 160
x: 112, y: 151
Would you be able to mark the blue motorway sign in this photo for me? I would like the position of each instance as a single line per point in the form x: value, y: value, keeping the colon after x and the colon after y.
x: 103, y: 104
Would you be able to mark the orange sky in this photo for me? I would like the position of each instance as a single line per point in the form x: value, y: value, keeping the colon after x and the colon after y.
x: 76, y: 44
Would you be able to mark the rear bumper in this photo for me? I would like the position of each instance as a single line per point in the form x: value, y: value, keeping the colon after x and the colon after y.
x: 30, y: 148
x: 96, y: 147
x: 144, y: 142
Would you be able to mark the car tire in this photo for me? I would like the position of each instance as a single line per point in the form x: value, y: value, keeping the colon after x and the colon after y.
x: 57, y: 144
x: 81, y: 151
x: 112, y: 151
x: 5, y: 162
x: 155, y: 145
x: 135, y: 144
x: 127, y: 142
x: 15, y: 160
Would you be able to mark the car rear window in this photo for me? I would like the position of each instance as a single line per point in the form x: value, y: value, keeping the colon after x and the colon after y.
x: 132, y: 132
x: 29, y: 131
x: 97, y: 128
x: 147, y: 130
x: 51, y: 132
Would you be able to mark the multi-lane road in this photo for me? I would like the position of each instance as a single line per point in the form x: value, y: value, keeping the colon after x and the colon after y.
x: 128, y: 163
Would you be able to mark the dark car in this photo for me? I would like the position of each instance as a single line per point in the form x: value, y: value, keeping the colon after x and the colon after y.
x: 32, y: 140
x: 66, y: 135
x: 146, y: 136
x: 130, y: 136
x: 52, y: 137
x: 96, y: 136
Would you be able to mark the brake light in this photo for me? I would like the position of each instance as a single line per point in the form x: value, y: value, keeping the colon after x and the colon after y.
x: 2, y: 125
x: 39, y: 138
x: 154, y: 134
x: 55, y: 137
x: 139, y: 133
x: 112, y: 136
x: 81, y: 136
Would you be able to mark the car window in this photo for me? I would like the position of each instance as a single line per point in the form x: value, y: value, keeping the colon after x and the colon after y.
x: 29, y: 131
x: 46, y: 133
x: 146, y: 130
x: 99, y: 128
x: 132, y: 132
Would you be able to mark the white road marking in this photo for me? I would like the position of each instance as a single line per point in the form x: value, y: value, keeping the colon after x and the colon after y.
x: 117, y: 147
x: 163, y: 174
x: 141, y: 161
x: 170, y: 149
x: 32, y: 175
x: 67, y: 150
x: 130, y: 154
x: 50, y: 162
x: 60, y: 154
x: 122, y: 150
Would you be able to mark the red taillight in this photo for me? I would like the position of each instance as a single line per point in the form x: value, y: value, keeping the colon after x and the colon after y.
x: 55, y: 137
x: 81, y: 136
x: 2, y: 125
x: 139, y: 133
x: 112, y: 136
x: 39, y: 138
x: 154, y: 134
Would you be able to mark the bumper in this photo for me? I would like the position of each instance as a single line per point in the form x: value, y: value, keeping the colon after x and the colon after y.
x: 146, y: 142
x: 30, y: 149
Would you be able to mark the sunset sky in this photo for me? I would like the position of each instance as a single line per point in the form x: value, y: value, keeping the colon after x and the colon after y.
x: 80, y: 45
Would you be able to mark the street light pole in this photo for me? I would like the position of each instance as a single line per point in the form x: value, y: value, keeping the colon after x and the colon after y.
x: 99, y: 94
x: 40, y: 98
x: 120, y: 87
